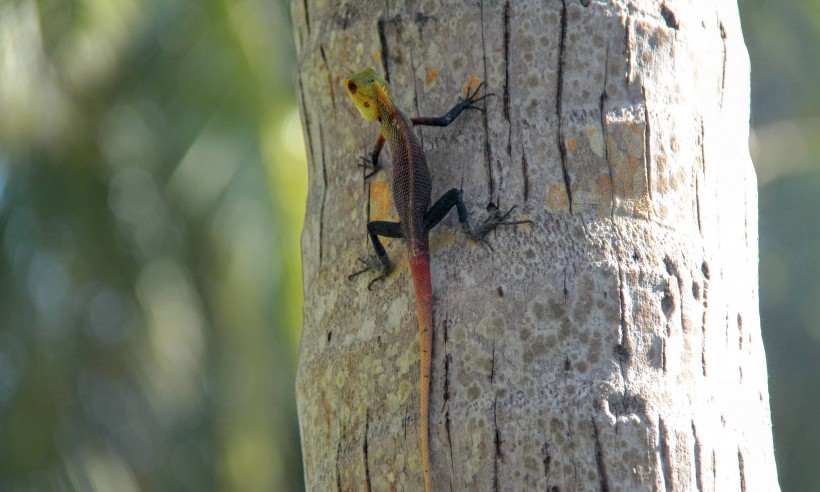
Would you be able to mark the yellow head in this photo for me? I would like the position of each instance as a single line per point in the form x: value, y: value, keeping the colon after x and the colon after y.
x: 367, y: 90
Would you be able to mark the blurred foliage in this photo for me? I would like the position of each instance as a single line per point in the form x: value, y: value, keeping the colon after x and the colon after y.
x: 152, y: 184
x: 783, y: 38
x: 152, y: 181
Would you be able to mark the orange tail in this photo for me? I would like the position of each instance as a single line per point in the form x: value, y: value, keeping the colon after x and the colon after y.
x: 420, y: 271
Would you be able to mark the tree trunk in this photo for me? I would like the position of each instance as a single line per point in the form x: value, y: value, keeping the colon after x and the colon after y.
x: 614, y: 344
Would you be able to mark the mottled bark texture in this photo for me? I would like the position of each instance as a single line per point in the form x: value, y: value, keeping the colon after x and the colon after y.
x: 614, y: 344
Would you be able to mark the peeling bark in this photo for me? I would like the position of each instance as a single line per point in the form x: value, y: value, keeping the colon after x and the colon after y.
x: 568, y: 357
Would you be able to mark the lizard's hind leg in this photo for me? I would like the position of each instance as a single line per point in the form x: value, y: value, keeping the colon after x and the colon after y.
x: 451, y: 199
x: 381, y: 263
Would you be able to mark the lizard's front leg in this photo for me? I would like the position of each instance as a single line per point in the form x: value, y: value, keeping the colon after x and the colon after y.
x: 468, y: 102
x: 381, y: 263
x: 371, y: 160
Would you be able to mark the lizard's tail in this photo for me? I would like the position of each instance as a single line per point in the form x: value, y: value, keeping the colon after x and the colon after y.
x: 420, y: 271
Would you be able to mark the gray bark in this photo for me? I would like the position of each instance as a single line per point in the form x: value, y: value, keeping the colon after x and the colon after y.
x: 614, y: 344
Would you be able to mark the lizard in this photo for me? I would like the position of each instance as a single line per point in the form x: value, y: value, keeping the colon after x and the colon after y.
x: 412, y: 187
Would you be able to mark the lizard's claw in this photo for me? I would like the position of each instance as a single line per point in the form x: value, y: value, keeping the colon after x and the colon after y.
x: 496, y: 218
x: 469, y: 102
x: 376, y: 264
x: 369, y: 161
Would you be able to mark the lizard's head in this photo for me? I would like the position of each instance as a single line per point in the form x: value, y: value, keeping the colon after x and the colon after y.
x: 365, y: 90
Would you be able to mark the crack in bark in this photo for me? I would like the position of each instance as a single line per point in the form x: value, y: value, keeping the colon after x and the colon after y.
x: 741, y: 468
x: 445, y: 406
x: 525, y: 171
x: 603, y: 480
x: 621, y: 349
x: 338, y: 473
x: 647, y: 139
x: 705, y: 271
x: 492, y: 365
x: 507, y: 61
x: 507, y: 77
x: 546, y: 460
x: 666, y: 456
x: 568, y: 419
x: 446, y: 365
x: 601, y: 108
x: 364, y: 450
x: 385, y: 53
x: 307, y: 15
x: 726, y: 327
x: 723, y: 74
x: 450, y: 444
x: 487, y: 146
x: 497, y: 442
x: 306, y: 116
x: 565, y: 290
x: 663, y: 349
x: 698, y: 459
x: 329, y: 78
x: 739, y: 332
x: 562, y: 148
x: 324, y: 196
x: 572, y: 450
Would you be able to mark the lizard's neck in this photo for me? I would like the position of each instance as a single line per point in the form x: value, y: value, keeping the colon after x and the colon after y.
x: 391, y: 118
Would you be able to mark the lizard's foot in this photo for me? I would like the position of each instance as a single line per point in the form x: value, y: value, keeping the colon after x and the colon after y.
x: 376, y: 264
x: 496, y: 218
x: 371, y: 162
x: 472, y: 98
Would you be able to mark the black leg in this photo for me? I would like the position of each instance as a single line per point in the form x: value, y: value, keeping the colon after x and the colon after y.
x: 451, y: 199
x: 467, y: 103
x: 371, y: 160
x: 375, y: 229
x: 442, y: 207
x: 378, y: 228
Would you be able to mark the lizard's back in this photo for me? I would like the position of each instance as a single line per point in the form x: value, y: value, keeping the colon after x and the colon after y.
x: 412, y: 184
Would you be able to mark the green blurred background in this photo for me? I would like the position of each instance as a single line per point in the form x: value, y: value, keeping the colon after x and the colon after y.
x: 152, y: 187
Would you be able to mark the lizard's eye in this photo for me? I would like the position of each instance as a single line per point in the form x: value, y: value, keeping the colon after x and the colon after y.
x: 366, y: 104
x: 351, y: 86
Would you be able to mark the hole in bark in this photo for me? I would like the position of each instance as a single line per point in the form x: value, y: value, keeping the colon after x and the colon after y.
x: 329, y: 335
x: 668, y: 303
x: 704, y: 267
x: 500, y: 291
x: 696, y: 290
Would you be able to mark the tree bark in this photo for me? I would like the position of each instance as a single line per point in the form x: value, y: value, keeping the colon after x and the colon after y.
x: 614, y: 344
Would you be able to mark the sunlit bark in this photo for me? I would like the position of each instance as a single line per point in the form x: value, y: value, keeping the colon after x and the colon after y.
x: 613, y: 345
